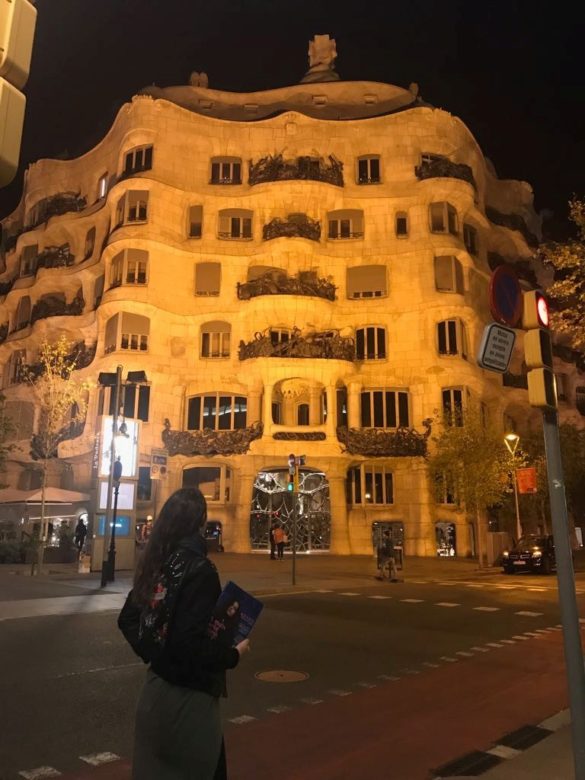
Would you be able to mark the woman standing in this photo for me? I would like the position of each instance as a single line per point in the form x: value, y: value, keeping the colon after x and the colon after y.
x: 178, y: 732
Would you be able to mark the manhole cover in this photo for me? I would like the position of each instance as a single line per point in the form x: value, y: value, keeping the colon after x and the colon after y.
x: 281, y: 676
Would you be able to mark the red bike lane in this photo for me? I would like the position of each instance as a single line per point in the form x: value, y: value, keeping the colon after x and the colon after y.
x: 400, y: 729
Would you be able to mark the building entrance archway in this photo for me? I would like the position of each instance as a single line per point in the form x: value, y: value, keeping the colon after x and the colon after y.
x: 272, y: 502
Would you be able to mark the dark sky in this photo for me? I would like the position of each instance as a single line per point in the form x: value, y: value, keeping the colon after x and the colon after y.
x: 512, y: 71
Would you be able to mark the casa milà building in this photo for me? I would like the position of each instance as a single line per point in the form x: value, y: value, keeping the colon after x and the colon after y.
x: 298, y: 270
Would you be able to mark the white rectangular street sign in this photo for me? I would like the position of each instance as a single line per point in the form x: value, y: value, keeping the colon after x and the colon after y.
x: 496, y: 348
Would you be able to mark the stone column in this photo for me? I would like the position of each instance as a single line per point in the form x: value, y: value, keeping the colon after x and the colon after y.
x: 315, y: 405
x: 267, y: 416
x: 331, y: 422
x: 339, y: 527
x: 254, y: 414
x: 353, y: 405
x: 288, y: 411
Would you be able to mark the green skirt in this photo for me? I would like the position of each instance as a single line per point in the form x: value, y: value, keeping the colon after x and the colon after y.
x: 178, y: 733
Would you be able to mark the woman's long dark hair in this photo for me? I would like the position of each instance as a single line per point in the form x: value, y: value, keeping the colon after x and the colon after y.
x: 182, y: 515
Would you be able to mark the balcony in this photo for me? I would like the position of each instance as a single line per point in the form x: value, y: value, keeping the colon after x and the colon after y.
x: 81, y: 355
x: 55, y: 257
x: 55, y: 206
x: 6, y: 286
x: 442, y: 168
x: 3, y: 332
x: 294, y: 226
x: 328, y: 345
x: 276, y: 168
x: 380, y: 442
x: 278, y: 283
x: 56, y: 306
x: 513, y: 222
x: 208, y: 442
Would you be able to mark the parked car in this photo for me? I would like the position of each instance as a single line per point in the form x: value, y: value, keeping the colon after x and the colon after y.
x: 532, y: 553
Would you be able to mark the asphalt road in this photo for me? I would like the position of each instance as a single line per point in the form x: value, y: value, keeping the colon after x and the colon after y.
x: 69, y: 683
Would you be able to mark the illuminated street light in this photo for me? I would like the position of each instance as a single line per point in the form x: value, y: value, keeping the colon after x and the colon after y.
x: 511, y: 441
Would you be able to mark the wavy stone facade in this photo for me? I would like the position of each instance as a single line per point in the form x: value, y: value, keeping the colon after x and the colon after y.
x: 166, y: 231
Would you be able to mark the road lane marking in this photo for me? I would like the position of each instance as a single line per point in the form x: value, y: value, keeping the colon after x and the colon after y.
x: 410, y: 671
x: 419, y: 582
x: 448, y: 659
x: 323, y: 590
x: 431, y: 665
x: 503, y: 751
x: 40, y: 772
x: 391, y: 677
x: 312, y: 701
x: 379, y: 597
x: 486, y: 609
x: 338, y: 692
x: 538, y: 590
x: 481, y: 649
x: 242, y: 719
x: 366, y: 685
x: 278, y: 708
x: 464, y: 653
x: 554, y: 723
x: 527, y: 613
x: 350, y: 594
x: 519, y: 636
x: 531, y: 634
x: 494, y: 644
x: 96, y: 759
x: 508, y: 641
x: 412, y: 601
x: 98, y: 669
x: 446, y: 604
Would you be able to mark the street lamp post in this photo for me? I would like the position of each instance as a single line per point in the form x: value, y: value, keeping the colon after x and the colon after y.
x: 112, y: 551
x: 511, y: 441
x: 117, y: 387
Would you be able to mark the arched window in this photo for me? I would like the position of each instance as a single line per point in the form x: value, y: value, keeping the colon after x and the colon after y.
x: 215, y: 339
x: 127, y: 331
x: 370, y: 343
x: 216, y: 412
x: 226, y: 170
x: 235, y: 224
x: 303, y: 414
x: 130, y: 266
x: 385, y: 409
x: 448, y: 274
x: 369, y: 484
x: 443, y: 218
x: 345, y: 223
x: 366, y: 281
x: 452, y: 338
x: 23, y: 311
x: 137, y: 160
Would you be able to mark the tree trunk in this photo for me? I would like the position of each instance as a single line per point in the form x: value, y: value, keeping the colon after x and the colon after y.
x: 479, y: 538
x: 40, y: 552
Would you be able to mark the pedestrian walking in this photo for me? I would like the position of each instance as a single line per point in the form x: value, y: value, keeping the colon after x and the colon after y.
x: 273, y: 527
x: 281, y: 539
x: 385, y: 554
x: 178, y: 732
x: 79, y: 535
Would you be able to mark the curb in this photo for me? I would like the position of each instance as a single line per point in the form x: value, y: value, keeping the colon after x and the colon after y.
x: 509, y: 746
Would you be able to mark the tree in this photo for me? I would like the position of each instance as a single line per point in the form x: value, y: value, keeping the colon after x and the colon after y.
x: 6, y: 431
x: 567, y: 291
x: 61, y: 402
x: 474, y: 457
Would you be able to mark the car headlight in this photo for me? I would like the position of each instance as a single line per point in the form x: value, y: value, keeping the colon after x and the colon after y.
x: 506, y: 554
x: 537, y: 554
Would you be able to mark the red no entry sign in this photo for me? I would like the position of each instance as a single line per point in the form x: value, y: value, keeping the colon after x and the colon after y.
x: 505, y: 296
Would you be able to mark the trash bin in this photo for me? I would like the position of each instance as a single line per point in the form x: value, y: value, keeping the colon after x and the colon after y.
x: 214, y: 536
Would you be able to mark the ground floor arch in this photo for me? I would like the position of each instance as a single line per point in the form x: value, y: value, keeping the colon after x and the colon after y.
x: 272, y: 502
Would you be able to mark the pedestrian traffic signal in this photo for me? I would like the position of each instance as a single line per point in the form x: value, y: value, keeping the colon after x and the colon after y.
x: 291, y: 482
x: 538, y: 353
x: 17, y: 28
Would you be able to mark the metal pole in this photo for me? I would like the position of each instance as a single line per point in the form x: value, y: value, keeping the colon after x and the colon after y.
x: 566, y: 585
x: 112, y: 550
x: 518, y: 523
x: 108, y: 518
x: 294, y: 549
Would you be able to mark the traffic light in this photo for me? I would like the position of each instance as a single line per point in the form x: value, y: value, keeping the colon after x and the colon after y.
x: 17, y: 28
x: 292, y: 470
x: 538, y: 354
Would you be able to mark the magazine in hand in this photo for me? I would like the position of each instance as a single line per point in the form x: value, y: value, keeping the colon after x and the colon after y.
x: 234, y: 614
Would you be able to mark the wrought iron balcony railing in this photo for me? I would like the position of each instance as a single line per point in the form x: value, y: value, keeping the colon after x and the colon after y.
x: 443, y: 168
x: 327, y: 344
x: 380, y: 442
x: 294, y: 226
x: 278, y: 283
x: 209, y: 442
x: 276, y: 168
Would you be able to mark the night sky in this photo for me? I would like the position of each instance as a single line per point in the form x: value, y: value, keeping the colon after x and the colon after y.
x: 512, y: 71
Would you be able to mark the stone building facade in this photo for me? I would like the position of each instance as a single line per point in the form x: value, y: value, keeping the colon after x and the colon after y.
x: 300, y: 270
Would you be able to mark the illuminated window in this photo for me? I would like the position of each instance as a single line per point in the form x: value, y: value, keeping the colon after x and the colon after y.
x: 215, y: 339
x: 370, y: 343
x: 368, y: 169
x: 367, y: 484
x: 448, y: 274
x: 451, y: 338
x: 385, y: 409
x: 127, y: 331
x: 102, y: 188
x: 216, y: 412
x: 226, y: 170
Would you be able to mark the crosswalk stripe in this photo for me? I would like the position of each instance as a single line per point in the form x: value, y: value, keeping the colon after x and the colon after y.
x: 446, y: 604
x: 412, y: 601
x: 380, y: 598
x: 350, y: 594
x: 312, y: 701
x: 242, y: 719
x: 481, y: 649
x: 527, y: 613
x: 337, y: 692
x: 39, y: 773
x: 449, y: 659
x: 278, y: 708
x: 486, y: 609
x: 96, y: 759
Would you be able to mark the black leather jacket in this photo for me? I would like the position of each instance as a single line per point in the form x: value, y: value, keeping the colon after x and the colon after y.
x: 190, y: 658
